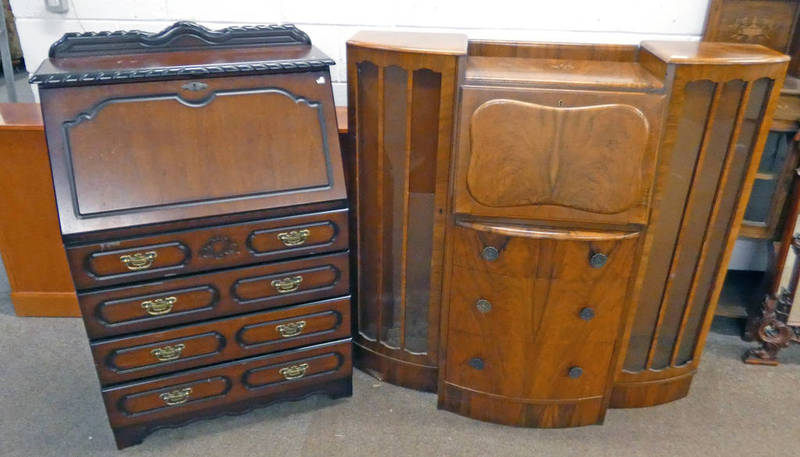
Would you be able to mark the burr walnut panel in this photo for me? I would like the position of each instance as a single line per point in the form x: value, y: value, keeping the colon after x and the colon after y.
x: 588, y: 158
x: 562, y: 155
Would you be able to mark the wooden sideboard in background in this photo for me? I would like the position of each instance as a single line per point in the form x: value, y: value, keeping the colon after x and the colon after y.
x: 30, y: 242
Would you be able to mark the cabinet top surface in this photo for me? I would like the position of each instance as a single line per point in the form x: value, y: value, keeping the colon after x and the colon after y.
x: 588, y: 73
x: 712, y: 53
x: 20, y: 116
x: 432, y: 43
x: 182, y: 50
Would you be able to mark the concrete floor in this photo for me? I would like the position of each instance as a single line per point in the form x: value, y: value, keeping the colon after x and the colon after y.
x: 50, y: 405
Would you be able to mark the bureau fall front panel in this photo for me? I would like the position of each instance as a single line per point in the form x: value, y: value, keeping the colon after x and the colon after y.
x: 150, y: 152
x: 581, y: 156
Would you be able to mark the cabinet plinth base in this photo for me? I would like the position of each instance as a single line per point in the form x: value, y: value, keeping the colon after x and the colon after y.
x: 650, y: 393
x: 509, y: 411
x: 132, y: 435
x: 395, y: 371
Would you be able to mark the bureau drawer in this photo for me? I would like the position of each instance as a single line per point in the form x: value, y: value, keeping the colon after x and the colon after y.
x: 288, y: 375
x: 519, y: 369
x: 192, y: 298
x: 143, y: 355
x: 136, y: 259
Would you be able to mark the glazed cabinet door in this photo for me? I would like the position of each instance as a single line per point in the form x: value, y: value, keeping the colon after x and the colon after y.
x: 401, y: 113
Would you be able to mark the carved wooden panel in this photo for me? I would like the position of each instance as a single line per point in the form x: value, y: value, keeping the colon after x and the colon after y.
x: 587, y: 158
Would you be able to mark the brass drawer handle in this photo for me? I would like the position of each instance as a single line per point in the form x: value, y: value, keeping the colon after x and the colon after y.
x: 167, y: 353
x: 294, y: 371
x: 176, y: 397
x: 295, y: 237
x: 291, y: 329
x: 286, y: 285
x: 139, y: 260
x: 159, y: 306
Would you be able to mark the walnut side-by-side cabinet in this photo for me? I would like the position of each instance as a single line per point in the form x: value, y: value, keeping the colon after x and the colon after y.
x: 541, y: 229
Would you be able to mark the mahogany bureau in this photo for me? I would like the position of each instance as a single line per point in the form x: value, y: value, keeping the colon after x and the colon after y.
x: 202, y: 204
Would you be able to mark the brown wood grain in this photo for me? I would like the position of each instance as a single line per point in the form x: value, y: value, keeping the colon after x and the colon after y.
x: 197, y: 158
x: 30, y: 242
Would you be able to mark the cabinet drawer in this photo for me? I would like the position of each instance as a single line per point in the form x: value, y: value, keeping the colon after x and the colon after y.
x: 286, y: 375
x: 527, y: 251
x: 537, y: 309
x: 532, y: 307
x: 143, y: 355
x: 518, y: 369
x: 136, y: 259
x: 192, y: 298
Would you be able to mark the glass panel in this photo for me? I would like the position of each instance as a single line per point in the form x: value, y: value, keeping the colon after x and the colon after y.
x: 670, y: 207
x: 395, y: 173
x: 719, y: 227
x: 421, y: 207
x: 368, y: 204
x: 698, y: 210
x: 759, y: 204
x: 775, y: 152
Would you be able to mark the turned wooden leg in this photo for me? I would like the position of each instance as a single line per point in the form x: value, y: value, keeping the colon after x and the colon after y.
x: 771, y: 333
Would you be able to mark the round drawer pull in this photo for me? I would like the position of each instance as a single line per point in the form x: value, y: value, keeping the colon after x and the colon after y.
x: 490, y: 253
x: 476, y: 363
x: 483, y: 305
x: 586, y: 314
x: 598, y: 260
x: 575, y: 372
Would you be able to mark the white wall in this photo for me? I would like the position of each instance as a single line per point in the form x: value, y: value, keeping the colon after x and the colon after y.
x: 331, y: 23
